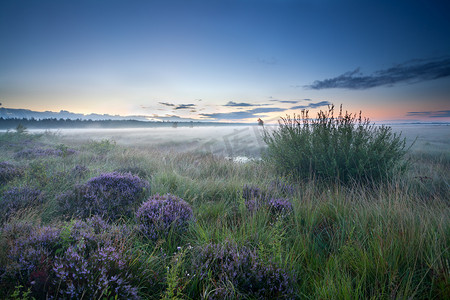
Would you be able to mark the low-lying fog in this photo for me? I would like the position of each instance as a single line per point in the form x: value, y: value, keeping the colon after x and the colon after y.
x: 234, y: 141
x: 230, y: 141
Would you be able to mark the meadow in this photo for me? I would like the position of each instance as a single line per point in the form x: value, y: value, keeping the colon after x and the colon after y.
x: 172, y: 214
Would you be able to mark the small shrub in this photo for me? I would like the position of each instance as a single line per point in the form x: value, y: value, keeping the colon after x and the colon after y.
x: 8, y: 172
x: 21, y: 129
x: 344, y: 148
x: 160, y: 214
x: 112, y: 195
x: 233, y: 271
x: 19, y: 198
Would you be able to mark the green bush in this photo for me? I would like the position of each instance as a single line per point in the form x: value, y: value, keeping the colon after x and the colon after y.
x: 344, y: 148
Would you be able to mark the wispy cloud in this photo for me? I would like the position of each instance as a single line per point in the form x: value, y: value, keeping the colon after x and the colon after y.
x: 230, y: 116
x: 178, y: 106
x: 185, y: 106
x: 166, y: 104
x: 234, y: 104
x: 265, y: 110
x: 410, y: 72
x: 312, y: 105
x: 286, y: 101
x: 429, y: 114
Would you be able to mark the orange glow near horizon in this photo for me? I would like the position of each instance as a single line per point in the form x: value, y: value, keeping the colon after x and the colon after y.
x: 373, y: 111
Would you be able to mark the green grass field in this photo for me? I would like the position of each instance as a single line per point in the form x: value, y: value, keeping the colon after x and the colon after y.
x: 380, y: 240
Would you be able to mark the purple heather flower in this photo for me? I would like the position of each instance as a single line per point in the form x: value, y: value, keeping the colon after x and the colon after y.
x: 255, y: 198
x: 18, y: 198
x: 111, y: 195
x: 8, y: 171
x: 159, y: 214
x: 243, y: 268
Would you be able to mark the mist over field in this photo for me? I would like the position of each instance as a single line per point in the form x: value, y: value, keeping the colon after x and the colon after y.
x: 232, y: 141
x: 220, y: 140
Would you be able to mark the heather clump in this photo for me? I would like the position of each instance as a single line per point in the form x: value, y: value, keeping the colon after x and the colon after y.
x: 18, y: 198
x: 112, y: 195
x: 161, y: 214
x: 256, y: 198
x: 29, y: 250
x: 103, y: 273
x: 345, y: 148
x: 8, y: 171
x: 231, y: 271
x: 78, y: 259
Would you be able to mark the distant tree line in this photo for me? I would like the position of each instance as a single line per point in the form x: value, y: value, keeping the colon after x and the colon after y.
x: 54, y: 123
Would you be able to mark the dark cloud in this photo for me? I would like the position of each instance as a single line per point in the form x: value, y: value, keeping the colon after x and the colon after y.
x: 312, y: 105
x: 412, y: 71
x: 231, y: 103
x: 166, y: 104
x: 430, y: 114
x: 185, y: 106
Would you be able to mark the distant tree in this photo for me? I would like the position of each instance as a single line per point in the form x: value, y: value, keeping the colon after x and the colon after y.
x: 21, y: 129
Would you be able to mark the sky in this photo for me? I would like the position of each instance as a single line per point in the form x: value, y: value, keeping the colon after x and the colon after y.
x: 228, y: 60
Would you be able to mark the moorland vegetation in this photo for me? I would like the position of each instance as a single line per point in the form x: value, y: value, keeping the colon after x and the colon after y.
x: 337, y: 209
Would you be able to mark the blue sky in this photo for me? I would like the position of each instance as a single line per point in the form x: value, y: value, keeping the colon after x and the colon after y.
x: 230, y: 60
